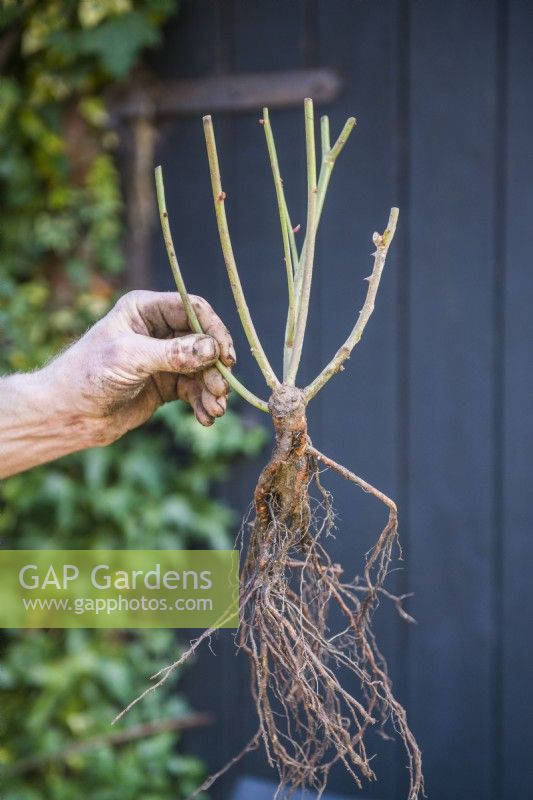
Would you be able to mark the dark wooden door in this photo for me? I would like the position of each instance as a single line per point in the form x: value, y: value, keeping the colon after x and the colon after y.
x: 435, y: 405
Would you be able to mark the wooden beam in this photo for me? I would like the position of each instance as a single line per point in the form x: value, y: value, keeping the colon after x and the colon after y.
x: 226, y: 93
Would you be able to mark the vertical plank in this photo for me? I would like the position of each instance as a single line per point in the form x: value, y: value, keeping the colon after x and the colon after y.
x: 517, y: 550
x: 195, y: 46
x: 453, y: 76
x: 263, y: 43
x: 355, y: 416
x: 404, y: 584
x: 191, y: 41
x: 190, y: 50
x: 262, y: 39
x: 240, y: 37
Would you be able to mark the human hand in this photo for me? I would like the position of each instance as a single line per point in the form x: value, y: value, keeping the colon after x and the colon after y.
x: 140, y: 355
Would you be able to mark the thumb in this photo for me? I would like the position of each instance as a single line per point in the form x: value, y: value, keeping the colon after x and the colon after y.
x: 184, y: 355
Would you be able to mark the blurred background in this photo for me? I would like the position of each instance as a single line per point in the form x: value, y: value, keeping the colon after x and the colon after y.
x: 434, y: 407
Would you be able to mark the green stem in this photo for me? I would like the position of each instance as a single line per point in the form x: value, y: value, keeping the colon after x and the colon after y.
x: 284, y: 222
x: 194, y: 323
x: 289, y: 340
x: 329, y: 158
x: 328, y: 162
x: 308, y: 252
x: 289, y: 337
x: 292, y: 239
x: 229, y: 258
x: 324, y: 136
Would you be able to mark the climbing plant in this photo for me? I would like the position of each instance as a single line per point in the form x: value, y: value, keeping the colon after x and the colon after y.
x: 62, y: 264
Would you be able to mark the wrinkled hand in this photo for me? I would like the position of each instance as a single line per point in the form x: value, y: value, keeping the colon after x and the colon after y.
x: 140, y: 355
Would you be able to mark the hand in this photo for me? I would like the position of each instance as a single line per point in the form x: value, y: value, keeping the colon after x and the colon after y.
x: 140, y: 355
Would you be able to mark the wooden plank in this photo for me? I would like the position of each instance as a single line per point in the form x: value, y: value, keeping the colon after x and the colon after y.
x: 233, y: 93
x: 403, y: 584
x: 192, y: 42
x: 195, y: 29
x: 453, y: 124
x: 354, y: 419
x: 247, y: 788
x: 192, y: 48
x: 261, y: 39
x: 517, y: 543
x: 221, y: 683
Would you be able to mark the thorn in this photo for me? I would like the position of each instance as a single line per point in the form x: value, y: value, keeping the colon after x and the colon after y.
x: 222, y: 196
x: 341, y: 368
x: 296, y: 228
x: 261, y: 121
x: 368, y: 278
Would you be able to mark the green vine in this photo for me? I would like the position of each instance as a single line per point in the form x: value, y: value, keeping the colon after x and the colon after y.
x: 60, y: 239
x: 61, y: 255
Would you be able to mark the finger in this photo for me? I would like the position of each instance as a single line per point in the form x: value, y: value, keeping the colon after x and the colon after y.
x: 215, y: 406
x: 190, y: 391
x: 213, y: 326
x: 215, y: 383
x: 166, y: 384
x: 185, y: 354
x: 161, y: 314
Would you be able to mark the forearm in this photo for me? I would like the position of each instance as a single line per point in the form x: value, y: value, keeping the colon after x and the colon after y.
x: 36, y: 425
x: 113, y: 379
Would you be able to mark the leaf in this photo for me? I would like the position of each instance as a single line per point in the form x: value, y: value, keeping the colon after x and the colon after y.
x: 92, y: 12
x: 116, y: 42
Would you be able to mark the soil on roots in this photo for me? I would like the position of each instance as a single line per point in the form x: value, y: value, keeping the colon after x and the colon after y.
x: 291, y: 591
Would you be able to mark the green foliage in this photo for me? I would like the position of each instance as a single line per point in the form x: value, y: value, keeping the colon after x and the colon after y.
x: 60, y: 238
x: 59, y: 687
x: 61, y: 234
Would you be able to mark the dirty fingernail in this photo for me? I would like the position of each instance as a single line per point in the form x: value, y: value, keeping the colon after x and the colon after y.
x: 205, y: 347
